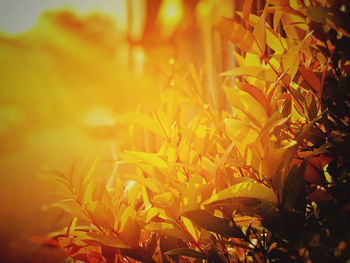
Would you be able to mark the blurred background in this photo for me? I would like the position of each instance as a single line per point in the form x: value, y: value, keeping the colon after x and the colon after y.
x: 68, y: 67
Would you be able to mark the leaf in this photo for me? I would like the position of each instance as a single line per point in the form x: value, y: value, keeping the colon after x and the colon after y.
x: 152, y: 244
x: 294, y: 185
x: 250, y: 189
x: 138, y: 254
x: 129, y: 229
x: 238, y: 35
x: 317, y: 14
x: 142, y: 120
x: 273, y: 158
x: 246, y: 104
x: 86, y: 182
x: 214, y: 224
x: 148, y: 182
x: 72, y: 207
x: 247, y: 6
x: 255, y: 92
x: 167, y: 243
x: 185, y: 252
x: 256, y: 72
x: 166, y: 229
x: 240, y: 132
x: 273, y: 39
x: 148, y: 158
x: 291, y: 59
x: 100, y: 214
x: 260, y: 33
x: 276, y: 19
x: 311, y: 105
x: 107, y: 240
x: 312, y: 79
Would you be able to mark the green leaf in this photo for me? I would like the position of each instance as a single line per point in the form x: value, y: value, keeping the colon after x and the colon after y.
x: 185, y: 252
x: 251, y: 189
x: 214, y: 224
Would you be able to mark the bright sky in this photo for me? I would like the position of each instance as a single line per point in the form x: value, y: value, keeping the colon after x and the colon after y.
x: 17, y: 16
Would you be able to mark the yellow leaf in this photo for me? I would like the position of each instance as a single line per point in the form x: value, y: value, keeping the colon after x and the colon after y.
x: 86, y: 182
x: 100, y: 214
x: 190, y: 227
x: 291, y: 61
x: 148, y: 182
x: 246, y: 104
x: 72, y: 207
x: 169, y: 202
x: 294, y: 25
x: 148, y: 214
x: 255, y: 92
x: 260, y: 33
x: 166, y: 228
x: 208, y: 166
x: 251, y: 189
x: 240, y: 132
x: 273, y: 159
x: 273, y: 39
x: 238, y: 35
x: 148, y: 158
x: 142, y: 120
x: 163, y: 200
x: 129, y: 229
x: 257, y: 72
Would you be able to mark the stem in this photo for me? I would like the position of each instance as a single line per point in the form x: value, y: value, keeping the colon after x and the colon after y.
x: 188, y: 234
x: 285, y: 86
x: 264, y: 246
x: 162, y: 127
x: 224, y: 249
x: 68, y: 228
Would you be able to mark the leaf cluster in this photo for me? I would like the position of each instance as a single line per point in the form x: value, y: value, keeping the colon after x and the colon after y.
x: 262, y: 180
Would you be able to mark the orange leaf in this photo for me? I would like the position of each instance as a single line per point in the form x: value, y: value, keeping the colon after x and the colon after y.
x: 291, y: 61
x: 254, y: 91
x: 247, y: 6
x: 260, y: 33
x: 312, y: 79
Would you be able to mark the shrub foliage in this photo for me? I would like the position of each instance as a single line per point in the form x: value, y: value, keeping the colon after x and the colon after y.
x: 263, y: 179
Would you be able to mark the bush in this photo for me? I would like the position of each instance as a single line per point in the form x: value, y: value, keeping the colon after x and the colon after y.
x: 265, y: 180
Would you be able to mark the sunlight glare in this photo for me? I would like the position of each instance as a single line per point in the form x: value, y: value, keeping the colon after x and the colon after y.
x: 21, y: 15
